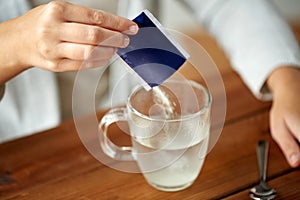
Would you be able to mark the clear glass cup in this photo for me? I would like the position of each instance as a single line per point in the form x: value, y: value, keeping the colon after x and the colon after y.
x: 169, y: 128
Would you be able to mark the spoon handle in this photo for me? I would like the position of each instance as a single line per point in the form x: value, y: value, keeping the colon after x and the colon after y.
x: 262, y: 155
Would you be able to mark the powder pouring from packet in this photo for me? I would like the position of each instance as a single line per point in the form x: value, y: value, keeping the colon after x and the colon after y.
x: 152, y: 54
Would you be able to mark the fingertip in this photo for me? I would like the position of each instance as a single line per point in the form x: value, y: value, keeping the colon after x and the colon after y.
x: 126, y: 41
x: 132, y: 30
x: 288, y: 145
x: 294, y: 160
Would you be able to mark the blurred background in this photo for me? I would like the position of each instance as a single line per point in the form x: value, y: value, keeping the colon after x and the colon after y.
x: 184, y: 21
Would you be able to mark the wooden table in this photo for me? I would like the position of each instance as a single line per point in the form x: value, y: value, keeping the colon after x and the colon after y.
x: 55, y: 165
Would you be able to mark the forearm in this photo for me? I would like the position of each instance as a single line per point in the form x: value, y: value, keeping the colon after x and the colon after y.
x: 10, y: 60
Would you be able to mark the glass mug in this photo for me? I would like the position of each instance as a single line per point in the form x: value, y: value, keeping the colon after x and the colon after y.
x: 169, y: 129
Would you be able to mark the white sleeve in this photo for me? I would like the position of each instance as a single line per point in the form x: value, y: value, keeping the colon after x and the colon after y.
x: 13, y: 8
x: 253, y: 35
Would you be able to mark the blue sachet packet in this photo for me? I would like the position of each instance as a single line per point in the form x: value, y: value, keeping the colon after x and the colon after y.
x: 152, y: 54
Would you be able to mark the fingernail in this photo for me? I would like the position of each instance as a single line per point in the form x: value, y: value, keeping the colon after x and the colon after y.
x: 294, y: 159
x: 133, y: 29
x: 126, y: 41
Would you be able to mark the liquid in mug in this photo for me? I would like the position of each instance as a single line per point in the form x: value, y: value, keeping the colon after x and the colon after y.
x: 172, y: 164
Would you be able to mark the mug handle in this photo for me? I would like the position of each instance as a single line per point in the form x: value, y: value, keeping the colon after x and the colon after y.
x: 123, y: 153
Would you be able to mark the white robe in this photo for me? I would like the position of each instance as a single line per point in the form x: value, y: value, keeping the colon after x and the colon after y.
x: 256, y: 39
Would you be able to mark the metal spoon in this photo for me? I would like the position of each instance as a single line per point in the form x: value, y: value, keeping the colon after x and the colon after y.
x: 262, y: 191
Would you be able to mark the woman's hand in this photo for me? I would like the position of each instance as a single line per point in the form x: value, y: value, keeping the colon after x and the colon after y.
x: 284, y: 83
x: 60, y: 36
